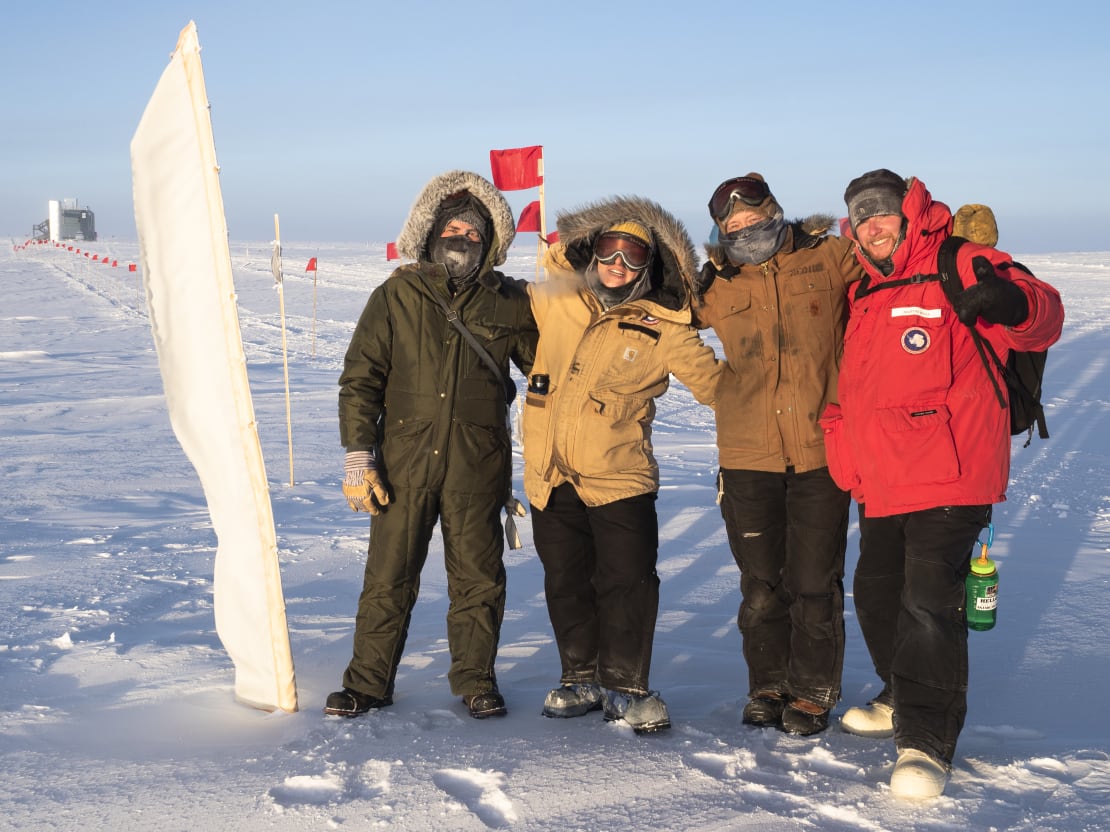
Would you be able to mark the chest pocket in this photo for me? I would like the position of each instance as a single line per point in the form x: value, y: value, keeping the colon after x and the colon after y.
x: 815, y: 284
x: 734, y: 300
x: 738, y: 325
x: 916, y: 344
x: 809, y: 305
x: 627, y: 356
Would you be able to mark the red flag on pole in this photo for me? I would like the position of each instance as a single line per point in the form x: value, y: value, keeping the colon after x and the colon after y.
x: 517, y: 168
x: 130, y: 267
x: 391, y: 252
x: 552, y: 238
x: 530, y: 217
x: 311, y: 267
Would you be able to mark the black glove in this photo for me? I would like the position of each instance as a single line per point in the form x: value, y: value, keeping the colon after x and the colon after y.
x: 710, y: 272
x: 705, y: 278
x: 991, y: 298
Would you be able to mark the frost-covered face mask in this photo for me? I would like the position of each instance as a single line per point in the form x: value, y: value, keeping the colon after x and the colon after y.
x: 460, y: 255
x: 756, y: 243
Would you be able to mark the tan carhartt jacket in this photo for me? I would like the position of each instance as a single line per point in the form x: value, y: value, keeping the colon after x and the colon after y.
x: 607, y: 367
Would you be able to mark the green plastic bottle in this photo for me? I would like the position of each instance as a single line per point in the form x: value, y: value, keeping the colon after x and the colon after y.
x: 982, y: 593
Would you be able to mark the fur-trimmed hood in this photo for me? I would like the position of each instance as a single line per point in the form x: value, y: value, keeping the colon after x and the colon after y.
x: 412, y: 242
x: 804, y: 233
x: 674, y: 268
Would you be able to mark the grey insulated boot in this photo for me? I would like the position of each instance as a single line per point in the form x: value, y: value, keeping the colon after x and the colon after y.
x: 572, y: 700
x: 646, y: 713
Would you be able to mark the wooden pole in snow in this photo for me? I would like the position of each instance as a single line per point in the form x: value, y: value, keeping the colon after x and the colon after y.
x: 284, y: 352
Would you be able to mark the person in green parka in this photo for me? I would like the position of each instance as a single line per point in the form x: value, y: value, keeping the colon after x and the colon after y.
x: 423, y: 419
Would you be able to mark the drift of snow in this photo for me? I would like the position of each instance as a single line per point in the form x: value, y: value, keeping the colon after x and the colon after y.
x: 116, y: 703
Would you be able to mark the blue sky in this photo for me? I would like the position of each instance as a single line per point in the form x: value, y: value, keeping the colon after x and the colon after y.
x: 334, y: 115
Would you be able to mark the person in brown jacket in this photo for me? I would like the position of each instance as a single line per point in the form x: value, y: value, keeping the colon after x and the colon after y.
x: 614, y: 321
x: 775, y: 293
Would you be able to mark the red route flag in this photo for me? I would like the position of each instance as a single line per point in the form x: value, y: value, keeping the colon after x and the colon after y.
x: 311, y: 267
x: 391, y: 252
x: 530, y: 217
x: 130, y: 267
x: 552, y: 238
x: 517, y: 168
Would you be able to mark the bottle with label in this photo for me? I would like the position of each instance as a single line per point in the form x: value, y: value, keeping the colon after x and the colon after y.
x: 982, y: 592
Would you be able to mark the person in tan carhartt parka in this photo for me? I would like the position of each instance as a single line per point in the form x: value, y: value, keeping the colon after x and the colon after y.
x: 775, y: 293
x: 614, y: 321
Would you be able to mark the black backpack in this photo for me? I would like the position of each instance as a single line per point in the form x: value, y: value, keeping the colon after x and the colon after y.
x: 1023, y: 372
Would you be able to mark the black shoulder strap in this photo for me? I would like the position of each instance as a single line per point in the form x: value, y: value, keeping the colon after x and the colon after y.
x: 864, y: 287
x: 483, y: 353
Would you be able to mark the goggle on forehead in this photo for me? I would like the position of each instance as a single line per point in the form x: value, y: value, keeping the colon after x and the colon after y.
x: 743, y: 188
x: 635, y: 254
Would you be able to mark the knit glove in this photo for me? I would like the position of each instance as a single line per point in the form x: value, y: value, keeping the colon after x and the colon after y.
x: 992, y: 298
x: 364, y: 488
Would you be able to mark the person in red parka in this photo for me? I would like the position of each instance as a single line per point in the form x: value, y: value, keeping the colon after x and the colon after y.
x: 920, y: 439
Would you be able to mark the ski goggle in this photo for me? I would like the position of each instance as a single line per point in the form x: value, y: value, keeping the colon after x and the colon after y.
x: 635, y: 254
x: 743, y: 188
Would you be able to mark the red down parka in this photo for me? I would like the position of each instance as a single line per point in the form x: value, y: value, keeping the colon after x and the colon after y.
x: 918, y: 424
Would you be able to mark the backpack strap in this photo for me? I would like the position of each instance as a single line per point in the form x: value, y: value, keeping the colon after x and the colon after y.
x: 953, y: 286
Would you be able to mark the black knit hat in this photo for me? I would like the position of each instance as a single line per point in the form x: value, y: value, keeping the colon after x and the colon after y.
x: 466, y: 208
x: 874, y: 194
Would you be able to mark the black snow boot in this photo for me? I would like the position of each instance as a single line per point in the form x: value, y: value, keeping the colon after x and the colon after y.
x: 349, y: 702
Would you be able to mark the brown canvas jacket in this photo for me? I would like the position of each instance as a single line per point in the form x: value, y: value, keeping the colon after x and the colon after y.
x: 781, y: 325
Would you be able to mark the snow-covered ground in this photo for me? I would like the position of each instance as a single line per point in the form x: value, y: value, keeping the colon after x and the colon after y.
x: 116, y: 705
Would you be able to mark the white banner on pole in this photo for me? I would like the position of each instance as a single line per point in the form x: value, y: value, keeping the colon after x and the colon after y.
x: 191, y: 298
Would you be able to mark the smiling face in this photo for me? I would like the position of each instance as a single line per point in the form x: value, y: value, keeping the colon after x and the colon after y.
x: 878, y: 236
x: 616, y: 273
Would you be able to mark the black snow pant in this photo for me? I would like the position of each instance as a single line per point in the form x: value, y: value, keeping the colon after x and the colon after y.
x: 601, y: 586
x: 910, y: 602
x: 472, y: 550
x: 788, y: 533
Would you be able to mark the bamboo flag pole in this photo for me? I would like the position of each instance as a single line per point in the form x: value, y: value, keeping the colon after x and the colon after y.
x: 284, y: 352
x: 541, y: 244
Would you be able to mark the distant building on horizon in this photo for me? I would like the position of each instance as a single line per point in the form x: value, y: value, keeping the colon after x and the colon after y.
x: 66, y: 221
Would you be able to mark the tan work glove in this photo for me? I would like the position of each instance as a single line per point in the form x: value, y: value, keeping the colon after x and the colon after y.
x: 363, y: 486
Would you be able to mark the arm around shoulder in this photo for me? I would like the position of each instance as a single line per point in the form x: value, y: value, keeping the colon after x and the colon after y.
x: 695, y: 364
